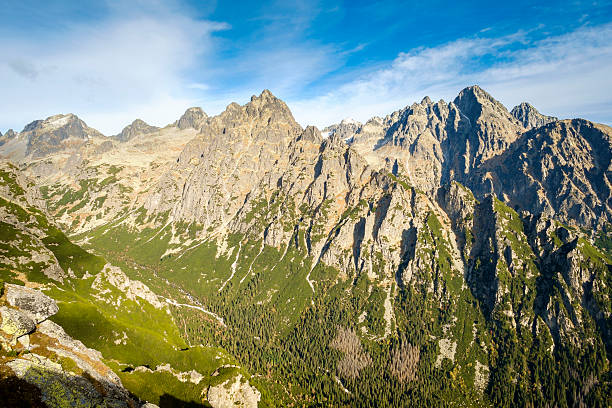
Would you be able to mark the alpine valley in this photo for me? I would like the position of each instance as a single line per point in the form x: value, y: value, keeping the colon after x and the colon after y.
x: 449, y: 254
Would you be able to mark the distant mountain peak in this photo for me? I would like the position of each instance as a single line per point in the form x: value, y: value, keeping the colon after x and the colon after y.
x: 267, y: 98
x: 48, y: 135
x: 136, y: 128
x: 52, y: 122
x: 529, y: 116
x: 9, y: 135
x: 193, y: 118
x: 474, y: 96
x: 350, y: 121
x: 267, y: 105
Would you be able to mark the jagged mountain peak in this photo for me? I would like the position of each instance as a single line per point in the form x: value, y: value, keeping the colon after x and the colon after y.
x: 312, y: 134
x: 193, y: 118
x: 136, y: 128
x: 265, y: 94
x: 8, y: 136
x: 266, y: 98
x: 54, y: 122
x: 195, y: 109
x: 529, y: 116
x: 263, y: 110
x: 56, y: 133
x: 426, y: 101
x: 474, y: 101
x: 350, y: 121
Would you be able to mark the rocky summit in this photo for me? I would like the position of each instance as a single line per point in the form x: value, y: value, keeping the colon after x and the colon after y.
x: 447, y: 254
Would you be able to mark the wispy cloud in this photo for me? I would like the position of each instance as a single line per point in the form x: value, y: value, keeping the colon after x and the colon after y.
x: 126, y: 66
x: 567, y: 75
x: 153, y: 59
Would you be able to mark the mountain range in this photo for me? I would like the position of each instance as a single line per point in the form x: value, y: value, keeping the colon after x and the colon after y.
x: 448, y: 254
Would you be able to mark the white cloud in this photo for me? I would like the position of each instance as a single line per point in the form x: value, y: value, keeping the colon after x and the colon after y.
x: 567, y: 76
x: 108, y: 73
x: 153, y: 65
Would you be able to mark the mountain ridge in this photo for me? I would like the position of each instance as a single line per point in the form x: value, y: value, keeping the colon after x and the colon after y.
x: 331, y: 260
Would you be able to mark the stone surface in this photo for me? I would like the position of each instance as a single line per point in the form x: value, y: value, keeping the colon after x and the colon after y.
x: 562, y: 170
x: 60, y: 388
x: 193, y: 118
x: 234, y: 392
x: 34, y: 303
x: 530, y: 117
x: 55, y: 133
x: 15, y: 323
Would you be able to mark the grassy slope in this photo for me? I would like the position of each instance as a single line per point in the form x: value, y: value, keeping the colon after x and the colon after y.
x: 150, y: 336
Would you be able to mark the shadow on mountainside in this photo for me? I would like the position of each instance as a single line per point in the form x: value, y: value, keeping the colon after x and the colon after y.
x: 16, y: 393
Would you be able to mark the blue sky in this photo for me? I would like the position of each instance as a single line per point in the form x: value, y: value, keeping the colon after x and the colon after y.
x: 113, y: 61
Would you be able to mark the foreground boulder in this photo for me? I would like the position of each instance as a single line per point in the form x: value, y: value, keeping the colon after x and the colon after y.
x: 15, y: 323
x: 38, y: 306
x: 41, y: 365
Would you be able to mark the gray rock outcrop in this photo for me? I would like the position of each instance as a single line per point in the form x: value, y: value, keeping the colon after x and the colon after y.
x: 135, y: 129
x: 530, y: 117
x: 34, y: 303
x: 562, y: 170
x: 85, y: 381
x: 234, y: 392
x: 15, y: 323
x: 193, y: 118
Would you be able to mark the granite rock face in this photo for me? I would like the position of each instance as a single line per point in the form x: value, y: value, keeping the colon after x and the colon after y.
x: 432, y: 143
x: 15, y: 323
x: 55, y: 133
x: 34, y: 303
x: 193, y: 118
x: 561, y: 170
x: 344, y: 130
x: 530, y: 117
x: 491, y: 130
x: 217, y: 169
x: 9, y: 135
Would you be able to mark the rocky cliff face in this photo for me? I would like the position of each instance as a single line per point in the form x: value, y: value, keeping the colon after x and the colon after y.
x: 434, y: 143
x: 193, y: 118
x: 9, y: 135
x: 561, y: 170
x: 344, y: 130
x: 55, y: 133
x: 529, y: 116
x: 216, y: 170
